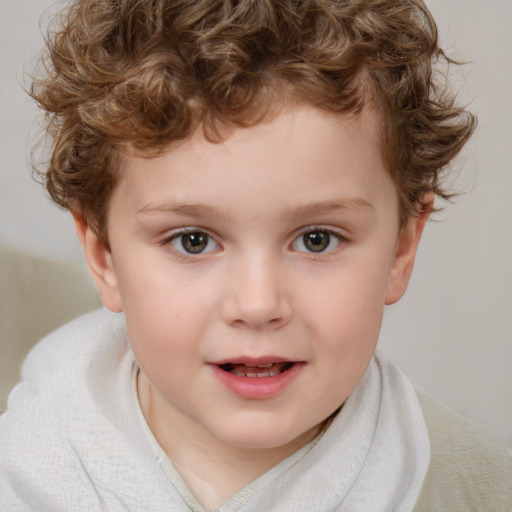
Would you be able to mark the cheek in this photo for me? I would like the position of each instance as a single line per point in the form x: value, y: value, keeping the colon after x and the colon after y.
x: 351, y: 301
x: 166, y: 317
x: 158, y: 293
x: 165, y: 343
x: 346, y: 324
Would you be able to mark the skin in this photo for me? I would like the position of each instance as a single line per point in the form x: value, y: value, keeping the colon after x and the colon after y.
x: 256, y: 289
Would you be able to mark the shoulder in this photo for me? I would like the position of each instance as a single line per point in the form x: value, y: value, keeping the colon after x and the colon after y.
x: 470, y: 470
x: 67, y: 371
x: 40, y: 470
x: 70, y: 433
x: 61, y: 368
x: 75, y: 342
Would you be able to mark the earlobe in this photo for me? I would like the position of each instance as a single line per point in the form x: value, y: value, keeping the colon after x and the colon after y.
x: 100, y: 263
x: 407, y: 245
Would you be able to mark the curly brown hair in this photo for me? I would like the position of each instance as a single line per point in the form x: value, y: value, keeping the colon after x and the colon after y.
x: 124, y: 75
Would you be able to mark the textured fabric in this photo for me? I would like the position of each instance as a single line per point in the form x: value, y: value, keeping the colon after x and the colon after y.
x: 241, y: 497
x: 73, y: 440
x: 373, y: 457
x: 470, y: 470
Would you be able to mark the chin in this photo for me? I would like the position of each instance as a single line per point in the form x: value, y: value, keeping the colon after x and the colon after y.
x: 264, y: 435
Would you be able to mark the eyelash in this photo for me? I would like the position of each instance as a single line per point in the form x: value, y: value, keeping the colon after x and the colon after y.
x: 298, y: 240
x: 175, y: 237
x: 323, y: 232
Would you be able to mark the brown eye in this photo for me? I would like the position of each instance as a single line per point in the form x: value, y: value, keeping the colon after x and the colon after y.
x: 193, y: 242
x: 317, y: 241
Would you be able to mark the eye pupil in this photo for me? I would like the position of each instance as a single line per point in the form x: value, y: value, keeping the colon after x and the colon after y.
x: 194, y: 242
x: 316, y: 241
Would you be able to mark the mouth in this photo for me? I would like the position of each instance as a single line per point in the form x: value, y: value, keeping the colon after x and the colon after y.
x: 257, y: 378
x: 257, y: 370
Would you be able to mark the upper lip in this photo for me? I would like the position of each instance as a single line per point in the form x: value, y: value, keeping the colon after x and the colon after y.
x: 253, y: 361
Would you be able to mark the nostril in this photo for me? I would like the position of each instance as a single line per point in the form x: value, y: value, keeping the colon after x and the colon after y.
x: 272, y: 323
x: 256, y: 301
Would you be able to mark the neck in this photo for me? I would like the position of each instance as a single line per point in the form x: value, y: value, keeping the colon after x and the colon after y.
x: 213, y: 470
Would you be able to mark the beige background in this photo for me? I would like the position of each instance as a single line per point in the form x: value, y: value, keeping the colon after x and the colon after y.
x: 453, y: 331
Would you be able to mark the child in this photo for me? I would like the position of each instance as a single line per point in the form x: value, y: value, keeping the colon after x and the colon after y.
x: 249, y: 181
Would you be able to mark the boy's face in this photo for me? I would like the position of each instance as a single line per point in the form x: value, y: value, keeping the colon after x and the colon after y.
x: 278, y: 247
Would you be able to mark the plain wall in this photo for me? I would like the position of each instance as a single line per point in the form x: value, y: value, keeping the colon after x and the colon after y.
x: 452, y: 332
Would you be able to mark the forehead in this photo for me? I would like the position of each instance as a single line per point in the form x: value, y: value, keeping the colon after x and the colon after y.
x: 303, y: 155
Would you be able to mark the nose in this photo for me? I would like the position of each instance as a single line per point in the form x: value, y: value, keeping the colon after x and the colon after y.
x: 257, y: 296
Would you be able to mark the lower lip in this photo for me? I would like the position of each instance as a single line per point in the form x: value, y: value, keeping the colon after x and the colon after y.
x: 257, y: 388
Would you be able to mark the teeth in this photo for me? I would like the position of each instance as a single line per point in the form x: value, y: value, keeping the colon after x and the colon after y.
x: 249, y: 370
x: 242, y: 373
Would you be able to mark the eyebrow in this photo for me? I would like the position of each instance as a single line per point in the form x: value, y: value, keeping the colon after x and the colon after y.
x: 354, y: 204
x: 185, y: 210
x: 199, y: 210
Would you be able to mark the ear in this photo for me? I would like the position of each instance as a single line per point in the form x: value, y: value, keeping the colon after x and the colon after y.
x: 99, y: 261
x: 407, y: 244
